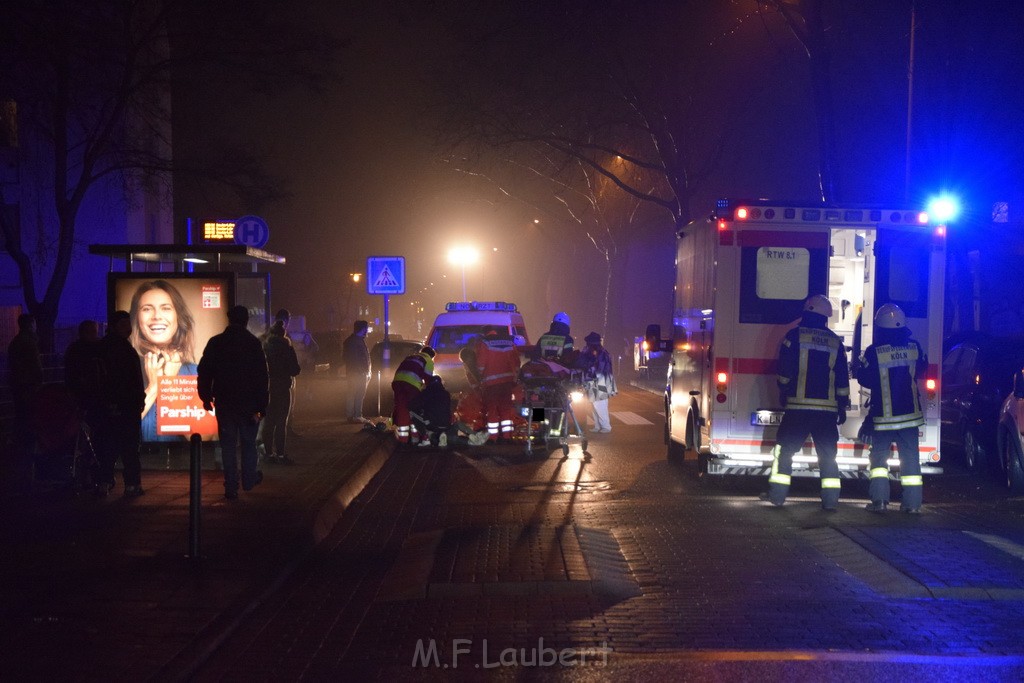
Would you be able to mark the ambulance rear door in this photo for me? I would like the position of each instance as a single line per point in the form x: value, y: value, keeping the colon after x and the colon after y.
x: 908, y: 270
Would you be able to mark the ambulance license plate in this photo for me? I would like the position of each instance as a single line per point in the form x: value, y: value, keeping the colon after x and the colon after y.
x: 766, y: 418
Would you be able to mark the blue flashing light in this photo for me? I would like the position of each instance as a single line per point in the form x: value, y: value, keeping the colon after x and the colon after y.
x: 944, y: 208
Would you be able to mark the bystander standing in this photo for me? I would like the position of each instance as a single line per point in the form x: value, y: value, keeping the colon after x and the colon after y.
x: 282, y: 366
x: 233, y: 379
x: 119, y: 425
x: 599, y: 381
x: 356, y: 358
x: 25, y: 378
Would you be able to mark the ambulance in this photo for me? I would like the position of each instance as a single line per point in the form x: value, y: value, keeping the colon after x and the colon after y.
x: 741, y: 279
x: 459, y: 324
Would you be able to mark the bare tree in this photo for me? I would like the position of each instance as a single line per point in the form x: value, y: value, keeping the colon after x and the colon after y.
x: 93, y: 80
x: 570, y: 192
x: 569, y: 77
x: 806, y: 20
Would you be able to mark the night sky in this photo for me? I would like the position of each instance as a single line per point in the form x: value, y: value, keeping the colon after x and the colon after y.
x: 367, y: 178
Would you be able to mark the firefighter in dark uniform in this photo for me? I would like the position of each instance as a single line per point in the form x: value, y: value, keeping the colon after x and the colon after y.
x: 556, y: 344
x: 814, y: 386
x: 890, y: 369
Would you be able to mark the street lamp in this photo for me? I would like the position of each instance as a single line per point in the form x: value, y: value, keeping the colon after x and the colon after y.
x: 463, y: 256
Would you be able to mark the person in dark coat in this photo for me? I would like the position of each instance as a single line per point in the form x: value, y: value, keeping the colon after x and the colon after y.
x: 25, y: 379
x: 282, y: 366
x: 82, y: 366
x: 234, y: 383
x: 431, y: 412
x: 356, y: 359
x: 119, y: 425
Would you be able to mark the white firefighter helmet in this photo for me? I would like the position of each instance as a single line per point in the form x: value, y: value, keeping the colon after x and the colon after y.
x: 819, y: 304
x: 890, y: 316
x: 561, y: 317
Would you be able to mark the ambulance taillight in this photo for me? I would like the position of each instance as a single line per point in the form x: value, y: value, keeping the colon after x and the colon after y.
x: 722, y: 383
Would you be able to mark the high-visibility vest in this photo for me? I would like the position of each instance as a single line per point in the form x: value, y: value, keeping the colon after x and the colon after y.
x: 891, y: 372
x: 813, y: 372
x: 415, y: 370
x: 553, y: 345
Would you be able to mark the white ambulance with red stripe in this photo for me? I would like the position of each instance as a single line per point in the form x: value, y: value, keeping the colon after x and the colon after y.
x: 741, y: 279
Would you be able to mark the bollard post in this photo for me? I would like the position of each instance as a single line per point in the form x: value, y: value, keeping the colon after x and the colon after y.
x: 194, y: 494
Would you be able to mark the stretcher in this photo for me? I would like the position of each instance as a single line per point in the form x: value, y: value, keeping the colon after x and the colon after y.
x: 547, y: 407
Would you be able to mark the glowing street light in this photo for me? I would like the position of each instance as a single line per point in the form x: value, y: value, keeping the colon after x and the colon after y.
x: 463, y: 256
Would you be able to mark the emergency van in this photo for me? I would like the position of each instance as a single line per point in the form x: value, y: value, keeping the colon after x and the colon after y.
x: 742, y: 277
x: 459, y: 324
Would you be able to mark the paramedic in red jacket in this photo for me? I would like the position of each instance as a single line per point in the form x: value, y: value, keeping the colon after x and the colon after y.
x: 410, y: 378
x: 497, y: 361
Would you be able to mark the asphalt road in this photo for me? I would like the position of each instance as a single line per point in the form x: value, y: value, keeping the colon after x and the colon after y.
x: 491, y: 563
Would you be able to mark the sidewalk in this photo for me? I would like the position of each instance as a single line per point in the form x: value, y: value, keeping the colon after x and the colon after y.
x: 103, y: 589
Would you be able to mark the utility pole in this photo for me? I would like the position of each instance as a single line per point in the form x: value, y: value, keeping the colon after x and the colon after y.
x: 910, y: 102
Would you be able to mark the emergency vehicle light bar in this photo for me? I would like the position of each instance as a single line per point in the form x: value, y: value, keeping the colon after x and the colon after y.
x: 727, y: 210
x: 454, y: 306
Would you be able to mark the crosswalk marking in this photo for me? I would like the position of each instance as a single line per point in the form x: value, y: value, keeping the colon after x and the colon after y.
x: 1007, y: 546
x: 631, y: 418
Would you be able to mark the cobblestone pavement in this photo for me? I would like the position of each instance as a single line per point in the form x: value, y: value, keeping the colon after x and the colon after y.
x: 104, y: 589
x: 488, y: 563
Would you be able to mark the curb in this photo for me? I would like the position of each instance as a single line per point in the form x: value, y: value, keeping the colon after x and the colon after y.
x: 331, y: 513
x: 184, y: 665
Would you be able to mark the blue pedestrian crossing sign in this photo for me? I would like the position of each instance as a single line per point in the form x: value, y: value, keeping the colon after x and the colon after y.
x: 385, y: 275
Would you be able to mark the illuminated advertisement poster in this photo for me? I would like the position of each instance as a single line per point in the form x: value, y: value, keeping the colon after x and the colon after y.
x: 173, y: 316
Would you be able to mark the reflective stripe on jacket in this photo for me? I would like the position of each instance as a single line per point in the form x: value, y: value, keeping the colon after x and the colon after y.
x: 813, y: 372
x: 497, y: 360
x: 415, y: 370
x: 891, y: 372
x: 553, y: 345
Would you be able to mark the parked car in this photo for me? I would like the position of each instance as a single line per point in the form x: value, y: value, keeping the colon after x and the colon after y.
x: 379, y: 397
x: 1010, y: 439
x: 330, y: 343
x: 977, y: 375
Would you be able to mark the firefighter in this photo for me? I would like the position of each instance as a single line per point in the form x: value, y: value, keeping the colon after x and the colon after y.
x: 410, y: 378
x: 556, y: 344
x: 814, y: 387
x: 890, y: 370
x: 497, y: 363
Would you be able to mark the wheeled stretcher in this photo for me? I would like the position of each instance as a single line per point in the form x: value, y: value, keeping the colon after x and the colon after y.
x: 547, y: 407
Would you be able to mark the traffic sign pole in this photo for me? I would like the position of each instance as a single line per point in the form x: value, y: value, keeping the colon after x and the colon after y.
x: 386, y: 356
x: 386, y: 276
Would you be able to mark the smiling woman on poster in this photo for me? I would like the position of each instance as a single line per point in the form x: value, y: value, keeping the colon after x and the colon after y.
x: 163, y: 333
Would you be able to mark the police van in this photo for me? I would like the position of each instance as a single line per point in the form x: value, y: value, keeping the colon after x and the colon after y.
x: 741, y: 279
x: 459, y: 324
